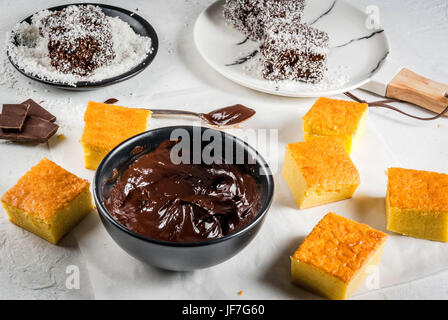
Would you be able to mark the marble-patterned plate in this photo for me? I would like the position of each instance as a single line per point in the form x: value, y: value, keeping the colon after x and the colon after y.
x: 357, y: 49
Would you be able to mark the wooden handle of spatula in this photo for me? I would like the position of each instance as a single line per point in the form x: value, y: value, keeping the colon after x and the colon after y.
x: 411, y: 87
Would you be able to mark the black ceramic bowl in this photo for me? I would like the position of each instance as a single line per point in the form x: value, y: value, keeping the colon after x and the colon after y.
x: 137, y: 23
x: 174, y: 255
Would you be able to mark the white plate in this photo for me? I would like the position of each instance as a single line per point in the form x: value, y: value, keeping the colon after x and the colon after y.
x: 356, y: 52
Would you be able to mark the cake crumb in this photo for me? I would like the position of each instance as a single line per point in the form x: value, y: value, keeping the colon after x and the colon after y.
x: 61, y: 137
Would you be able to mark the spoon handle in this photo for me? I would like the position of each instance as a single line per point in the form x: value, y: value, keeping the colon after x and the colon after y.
x: 167, y: 112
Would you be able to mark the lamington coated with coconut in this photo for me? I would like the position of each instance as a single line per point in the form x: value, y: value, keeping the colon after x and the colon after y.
x: 294, y: 52
x: 79, y: 39
x: 252, y: 16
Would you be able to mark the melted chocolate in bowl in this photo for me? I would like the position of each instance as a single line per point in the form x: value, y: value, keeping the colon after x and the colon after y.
x: 182, y: 202
x: 229, y: 116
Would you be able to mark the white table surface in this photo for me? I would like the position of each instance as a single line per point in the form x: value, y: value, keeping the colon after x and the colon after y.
x: 418, y: 31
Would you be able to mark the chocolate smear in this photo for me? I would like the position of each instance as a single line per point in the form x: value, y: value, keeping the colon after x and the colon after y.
x: 111, y: 101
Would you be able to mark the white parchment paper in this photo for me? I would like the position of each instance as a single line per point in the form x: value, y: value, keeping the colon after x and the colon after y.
x: 261, y: 270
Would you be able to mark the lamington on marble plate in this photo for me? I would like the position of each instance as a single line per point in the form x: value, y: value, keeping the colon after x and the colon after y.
x: 294, y: 51
x: 252, y: 16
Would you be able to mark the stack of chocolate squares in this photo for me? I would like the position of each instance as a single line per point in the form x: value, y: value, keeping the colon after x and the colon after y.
x: 26, y: 122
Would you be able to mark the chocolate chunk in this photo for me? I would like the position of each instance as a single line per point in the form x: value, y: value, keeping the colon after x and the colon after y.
x: 37, y: 111
x: 111, y: 101
x: 35, y: 129
x: 13, y: 116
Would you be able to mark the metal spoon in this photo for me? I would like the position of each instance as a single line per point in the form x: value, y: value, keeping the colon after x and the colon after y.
x: 223, y: 117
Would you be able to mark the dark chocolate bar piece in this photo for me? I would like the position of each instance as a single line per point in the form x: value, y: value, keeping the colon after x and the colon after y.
x: 37, y: 111
x: 13, y: 116
x: 35, y: 129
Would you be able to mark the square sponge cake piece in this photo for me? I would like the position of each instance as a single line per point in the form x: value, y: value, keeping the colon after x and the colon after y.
x: 337, y: 118
x: 417, y: 203
x: 319, y: 171
x: 336, y: 257
x: 106, y: 126
x: 48, y: 201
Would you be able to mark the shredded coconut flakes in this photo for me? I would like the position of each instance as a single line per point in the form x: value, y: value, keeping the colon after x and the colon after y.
x: 28, y: 48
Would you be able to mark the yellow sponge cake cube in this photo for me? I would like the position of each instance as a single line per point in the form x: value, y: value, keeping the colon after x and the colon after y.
x: 417, y: 203
x: 319, y: 171
x: 106, y: 126
x: 48, y: 201
x: 337, y: 256
x: 337, y: 118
